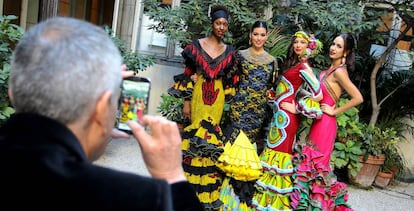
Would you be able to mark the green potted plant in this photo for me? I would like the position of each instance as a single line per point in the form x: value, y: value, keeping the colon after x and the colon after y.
x: 347, y: 147
x: 376, y: 144
x: 394, y: 161
x: 394, y: 164
x: 375, y: 141
x: 172, y: 108
x: 346, y: 155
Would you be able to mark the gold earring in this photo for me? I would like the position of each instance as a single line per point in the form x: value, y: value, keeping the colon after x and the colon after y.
x: 344, y: 59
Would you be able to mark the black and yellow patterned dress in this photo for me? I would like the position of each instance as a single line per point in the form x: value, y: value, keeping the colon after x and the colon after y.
x: 245, y: 131
x: 202, y: 139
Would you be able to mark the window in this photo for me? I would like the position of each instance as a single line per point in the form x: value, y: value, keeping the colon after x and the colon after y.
x: 153, y: 42
x: 94, y: 11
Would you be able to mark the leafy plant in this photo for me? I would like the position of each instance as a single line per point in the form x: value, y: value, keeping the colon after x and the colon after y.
x: 133, y: 60
x: 190, y: 20
x: 347, y: 155
x: 347, y: 147
x: 376, y: 140
x: 394, y: 161
x: 171, y: 108
x: 349, y: 126
x: 399, y: 104
x: 277, y: 43
x: 10, y: 34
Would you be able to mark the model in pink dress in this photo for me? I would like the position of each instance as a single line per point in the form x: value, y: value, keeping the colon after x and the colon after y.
x: 323, y: 130
x: 315, y: 185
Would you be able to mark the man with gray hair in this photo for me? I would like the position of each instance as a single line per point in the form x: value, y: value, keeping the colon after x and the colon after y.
x: 64, y: 85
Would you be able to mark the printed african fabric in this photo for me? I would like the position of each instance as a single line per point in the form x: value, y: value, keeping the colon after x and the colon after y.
x: 202, y: 139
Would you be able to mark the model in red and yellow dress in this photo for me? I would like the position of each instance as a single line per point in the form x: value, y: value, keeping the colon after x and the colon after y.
x: 275, y: 185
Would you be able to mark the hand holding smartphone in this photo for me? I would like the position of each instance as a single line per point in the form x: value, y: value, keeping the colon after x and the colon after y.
x: 133, y: 103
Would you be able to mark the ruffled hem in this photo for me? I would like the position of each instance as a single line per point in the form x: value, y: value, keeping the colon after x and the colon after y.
x: 315, y: 185
x: 269, y: 201
x: 202, y: 140
x: 210, y: 201
x: 236, y: 195
x: 182, y: 87
x: 240, y: 160
x: 207, y: 186
x: 274, y: 187
x: 201, y: 147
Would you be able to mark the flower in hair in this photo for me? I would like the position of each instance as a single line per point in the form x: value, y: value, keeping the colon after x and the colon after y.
x: 314, y: 46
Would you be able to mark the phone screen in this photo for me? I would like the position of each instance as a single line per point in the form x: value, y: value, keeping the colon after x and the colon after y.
x: 133, y: 103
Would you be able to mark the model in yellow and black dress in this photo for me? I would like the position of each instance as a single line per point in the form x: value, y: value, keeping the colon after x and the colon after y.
x: 212, y: 62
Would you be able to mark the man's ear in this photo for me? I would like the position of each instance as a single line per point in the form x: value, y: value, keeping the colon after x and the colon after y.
x: 102, y: 107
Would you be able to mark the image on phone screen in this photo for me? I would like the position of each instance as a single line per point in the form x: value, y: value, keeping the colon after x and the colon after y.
x: 133, y: 103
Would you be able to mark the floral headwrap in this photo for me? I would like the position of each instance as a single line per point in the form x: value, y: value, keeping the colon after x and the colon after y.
x: 314, y: 45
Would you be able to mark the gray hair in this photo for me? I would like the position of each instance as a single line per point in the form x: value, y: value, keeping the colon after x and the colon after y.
x: 61, y: 67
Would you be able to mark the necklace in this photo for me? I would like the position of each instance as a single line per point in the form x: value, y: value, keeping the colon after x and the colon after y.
x: 260, y: 58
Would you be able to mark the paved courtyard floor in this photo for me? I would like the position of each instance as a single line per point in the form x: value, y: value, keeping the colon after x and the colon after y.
x: 125, y: 155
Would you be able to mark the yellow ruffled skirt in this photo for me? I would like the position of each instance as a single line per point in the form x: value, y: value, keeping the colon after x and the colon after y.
x: 240, y: 160
x: 274, y: 187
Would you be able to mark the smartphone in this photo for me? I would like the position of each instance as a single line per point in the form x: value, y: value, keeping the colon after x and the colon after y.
x: 133, y: 102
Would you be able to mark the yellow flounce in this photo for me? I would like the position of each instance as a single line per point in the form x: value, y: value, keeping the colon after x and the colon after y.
x: 240, y: 160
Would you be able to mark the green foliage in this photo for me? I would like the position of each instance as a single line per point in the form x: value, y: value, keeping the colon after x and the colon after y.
x: 348, y: 146
x: 133, y: 60
x: 377, y: 140
x: 347, y: 155
x: 171, y: 108
x: 9, y: 36
x: 190, y: 20
x: 349, y: 126
x: 400, y: 104
x: 394, y: 160
x: 336, y: 16
x: 277, y: 43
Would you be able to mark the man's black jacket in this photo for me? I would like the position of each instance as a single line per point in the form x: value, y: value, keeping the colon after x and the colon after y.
x: 44, y: 168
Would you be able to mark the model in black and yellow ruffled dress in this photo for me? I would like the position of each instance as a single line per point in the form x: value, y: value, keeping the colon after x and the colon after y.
x: 202, y: 139
x: 212, y: 62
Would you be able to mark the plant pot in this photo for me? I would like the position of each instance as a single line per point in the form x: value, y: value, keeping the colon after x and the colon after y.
x: 383, y: 179
x: 394, y: 171
x: 369, y: 170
